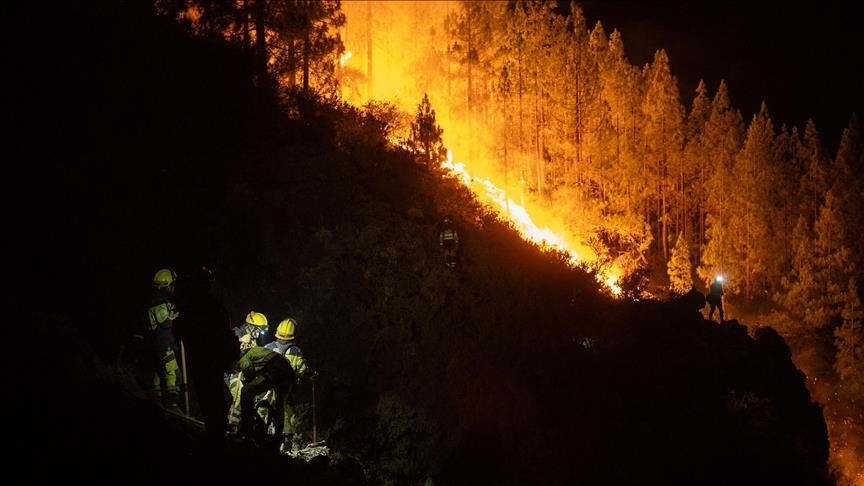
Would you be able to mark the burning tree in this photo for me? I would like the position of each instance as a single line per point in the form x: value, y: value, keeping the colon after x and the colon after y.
x: 288, y: 39
x: 426, y: 142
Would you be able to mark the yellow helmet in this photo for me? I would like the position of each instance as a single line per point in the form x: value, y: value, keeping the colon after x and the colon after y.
x: 286, y: 329
x: 256, y: 319
x: 164, y: 278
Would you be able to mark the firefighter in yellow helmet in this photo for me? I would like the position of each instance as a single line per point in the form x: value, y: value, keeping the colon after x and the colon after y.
x: 287, y: 347
x: 159, y: 338
x: 251, y: 333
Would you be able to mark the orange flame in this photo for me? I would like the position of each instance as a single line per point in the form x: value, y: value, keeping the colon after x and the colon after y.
x: 518, y: 215
x: 344, y: 58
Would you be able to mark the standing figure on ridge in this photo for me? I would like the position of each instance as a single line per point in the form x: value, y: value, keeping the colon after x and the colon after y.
x: 715, y: 298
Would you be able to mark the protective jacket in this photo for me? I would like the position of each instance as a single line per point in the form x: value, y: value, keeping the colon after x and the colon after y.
x: 159, y: 340
x: 264, y: 369
x: 449, y: 238
x: 260, y: 361
x: 294, y: 355
x: 292, y: 352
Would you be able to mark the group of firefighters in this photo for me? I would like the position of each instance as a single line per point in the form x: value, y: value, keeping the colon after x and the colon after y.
x: 260, y: 376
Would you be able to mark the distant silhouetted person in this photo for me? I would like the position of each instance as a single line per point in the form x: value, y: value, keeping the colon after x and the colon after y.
x: 211, y: 348
x: 449, y: 241
x: 715, y: 298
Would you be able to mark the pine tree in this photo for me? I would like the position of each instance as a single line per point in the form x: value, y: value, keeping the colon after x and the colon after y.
x: 721, y: 139
x: 664, y: 136
x: 679, y: 268
x: 743, y: 244
x: 691, y: 185
x: 305, y: 41
x: 818, y: 286
x: 426, y: 142
x: 849, y: 343
x: 847, y: 175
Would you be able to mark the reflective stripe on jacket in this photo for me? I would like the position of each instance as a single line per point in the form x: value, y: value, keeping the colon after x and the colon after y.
x: 292, y: 353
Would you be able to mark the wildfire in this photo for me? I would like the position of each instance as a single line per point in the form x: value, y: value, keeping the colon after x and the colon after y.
x: 520, y: 218
x: 393, y: 41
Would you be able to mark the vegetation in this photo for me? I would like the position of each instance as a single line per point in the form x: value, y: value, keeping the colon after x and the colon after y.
x: 175, y: 152
x: 426, y: 143
x: 612, y: 152
x: 680, y: 268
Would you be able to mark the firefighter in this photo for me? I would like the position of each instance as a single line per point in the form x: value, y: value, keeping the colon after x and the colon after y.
x: 287, y: 347
x: 715, y: 298
x: 263, y: 369
x: 448, y: 239
x: 250, y: 334
x: 159, y: 339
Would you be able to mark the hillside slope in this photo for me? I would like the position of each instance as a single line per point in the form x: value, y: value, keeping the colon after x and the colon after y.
x: 513, y: 369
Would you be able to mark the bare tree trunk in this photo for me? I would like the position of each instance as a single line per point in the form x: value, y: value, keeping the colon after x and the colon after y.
x: 260, y: 42
x: 243, y: 19
x: 470, y: 87
x: 369, y: 86
x: 292, y: 63
x: 306, y: 49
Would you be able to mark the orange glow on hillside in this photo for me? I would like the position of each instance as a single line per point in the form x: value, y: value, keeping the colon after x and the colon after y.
x: 515, y: 213
x: 389, y: 42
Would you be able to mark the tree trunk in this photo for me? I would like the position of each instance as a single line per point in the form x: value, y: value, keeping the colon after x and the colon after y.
x: 260, y: 43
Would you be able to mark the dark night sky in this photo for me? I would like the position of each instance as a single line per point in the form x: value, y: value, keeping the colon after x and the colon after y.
x: 805, y: 60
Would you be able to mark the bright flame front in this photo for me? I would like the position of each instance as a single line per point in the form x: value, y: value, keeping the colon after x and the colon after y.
x: 518, y: 215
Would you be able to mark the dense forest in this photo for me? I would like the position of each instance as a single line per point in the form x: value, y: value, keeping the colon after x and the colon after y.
x: 553, y: 111
x: 174, y: 134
